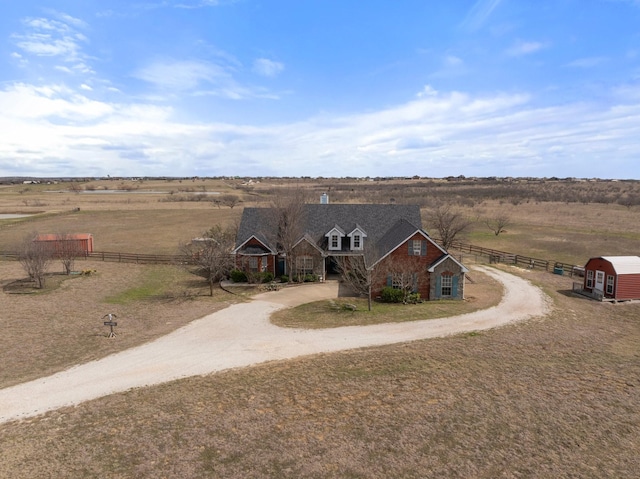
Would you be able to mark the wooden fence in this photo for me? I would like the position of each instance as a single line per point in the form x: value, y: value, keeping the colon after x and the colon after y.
x: 497, y: 256
x: 137, y: 258
x: 494, y: 256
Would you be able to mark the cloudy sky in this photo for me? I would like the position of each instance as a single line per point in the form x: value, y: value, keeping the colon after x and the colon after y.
x: 320, y: 88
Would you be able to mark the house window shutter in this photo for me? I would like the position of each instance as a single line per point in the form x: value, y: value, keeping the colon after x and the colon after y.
x: 424, y: 248
x: 410, y: 247
x: 454, y: 287
x: 438, y: 287
x: 389, y: 280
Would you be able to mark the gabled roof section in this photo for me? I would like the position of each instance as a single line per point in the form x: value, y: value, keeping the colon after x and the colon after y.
x: 624, y: 264
x: 309, y: 240
x: 356, y: 229
x: 261, y: 241
x: 400, y: 232
x: 440, y: 260
x: 336, y: 228
x: 256, y: 223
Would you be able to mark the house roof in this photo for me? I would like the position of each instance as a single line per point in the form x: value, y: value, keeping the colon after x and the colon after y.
x: 432, y: 268
x: 385, y: 225
x: 624, y: 264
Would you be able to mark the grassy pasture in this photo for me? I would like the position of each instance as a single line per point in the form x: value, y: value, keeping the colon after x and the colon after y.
x: 557, y: 397
x: 549, y: 398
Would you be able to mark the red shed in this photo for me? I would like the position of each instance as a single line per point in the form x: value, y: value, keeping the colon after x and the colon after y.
x: 81, y: 243
x: 613, y: 277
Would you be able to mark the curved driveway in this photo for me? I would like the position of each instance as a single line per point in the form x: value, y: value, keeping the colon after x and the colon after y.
x: 241, y: 335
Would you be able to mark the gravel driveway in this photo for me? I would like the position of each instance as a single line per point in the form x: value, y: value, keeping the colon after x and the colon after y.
x: 241, y: 335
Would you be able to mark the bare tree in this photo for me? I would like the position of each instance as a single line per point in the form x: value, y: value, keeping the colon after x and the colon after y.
x: 405, y: 274
x: 356, y: 273
x: 287, y: 222
x: 448, y: 223
x: 210, y: 256
x: 228, y: 200
x: 67, y: 249
x: 35, y: 257
x: 498, y: 223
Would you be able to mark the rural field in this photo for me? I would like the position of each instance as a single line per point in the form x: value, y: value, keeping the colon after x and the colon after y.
x: 552, y: 397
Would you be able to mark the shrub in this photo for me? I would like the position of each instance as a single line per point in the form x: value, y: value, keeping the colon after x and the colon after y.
x: 267, y: 276
x: 392, y: 295
x: 413, y: 298
x: 284, y: 278
x: 238, y: 276
x: 310, y: 278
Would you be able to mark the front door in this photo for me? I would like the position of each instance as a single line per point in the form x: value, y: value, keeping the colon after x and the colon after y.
x: 599, y: 286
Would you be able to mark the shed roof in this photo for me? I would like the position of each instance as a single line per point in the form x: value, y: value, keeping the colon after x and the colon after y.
x: 63, y: 236
x: 624, y: 264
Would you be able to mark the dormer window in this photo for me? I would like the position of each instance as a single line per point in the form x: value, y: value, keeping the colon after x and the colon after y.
x: 357, y: 238
x: 334, y: 238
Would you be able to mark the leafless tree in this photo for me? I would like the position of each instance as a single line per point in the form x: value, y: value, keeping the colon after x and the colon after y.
x: 448, y: 223
x: 404, y: 274
x: 498, y: 223
x: 287, y: 222
x: 228, y: 200
x: 67, y: 249
x: 210, y: 256
x: 35, y: 257
x: 359, y: 274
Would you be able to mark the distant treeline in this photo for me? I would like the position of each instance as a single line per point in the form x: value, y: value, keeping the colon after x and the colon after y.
x: 469, y: 192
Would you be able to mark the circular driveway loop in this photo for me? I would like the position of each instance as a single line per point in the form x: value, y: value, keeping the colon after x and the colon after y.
x: 241, y: 335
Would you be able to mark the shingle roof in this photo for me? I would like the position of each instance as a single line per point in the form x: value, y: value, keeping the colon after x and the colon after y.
x: 385, y: 225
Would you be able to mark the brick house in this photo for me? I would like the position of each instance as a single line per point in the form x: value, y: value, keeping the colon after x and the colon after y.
x: 390, y: 237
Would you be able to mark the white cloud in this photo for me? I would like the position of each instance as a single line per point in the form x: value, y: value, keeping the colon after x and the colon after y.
x: 588, y: 62
x: 267, y: 68
x: 200, y: 78
x: 54, y: 38
x: 479, y: 14
x: 525, y: 48
x: 181, y: 74
x: 437, y: 134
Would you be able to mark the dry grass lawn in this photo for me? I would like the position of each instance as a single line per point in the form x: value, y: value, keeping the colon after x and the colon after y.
x: 48, y: 331
x: 550, y: 398
x: 483, y: 293
x: 557, y: 397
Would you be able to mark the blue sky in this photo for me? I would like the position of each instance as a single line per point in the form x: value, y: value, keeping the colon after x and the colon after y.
x: 320, y: 88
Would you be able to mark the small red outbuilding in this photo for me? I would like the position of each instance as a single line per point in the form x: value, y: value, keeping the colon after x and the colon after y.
x: 613, y: 277
x: 79, y: 243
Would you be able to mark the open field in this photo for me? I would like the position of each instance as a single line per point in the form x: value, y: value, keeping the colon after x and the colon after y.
x: 562, y: 221
x: 558, y: 397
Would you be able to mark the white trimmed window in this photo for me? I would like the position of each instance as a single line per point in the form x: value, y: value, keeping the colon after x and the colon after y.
x: 304, y: 264
x: 446, y: 285
x: 335, y: 241
x: 610, y: 282
x: 357, y: 241
x: 589, y: 279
